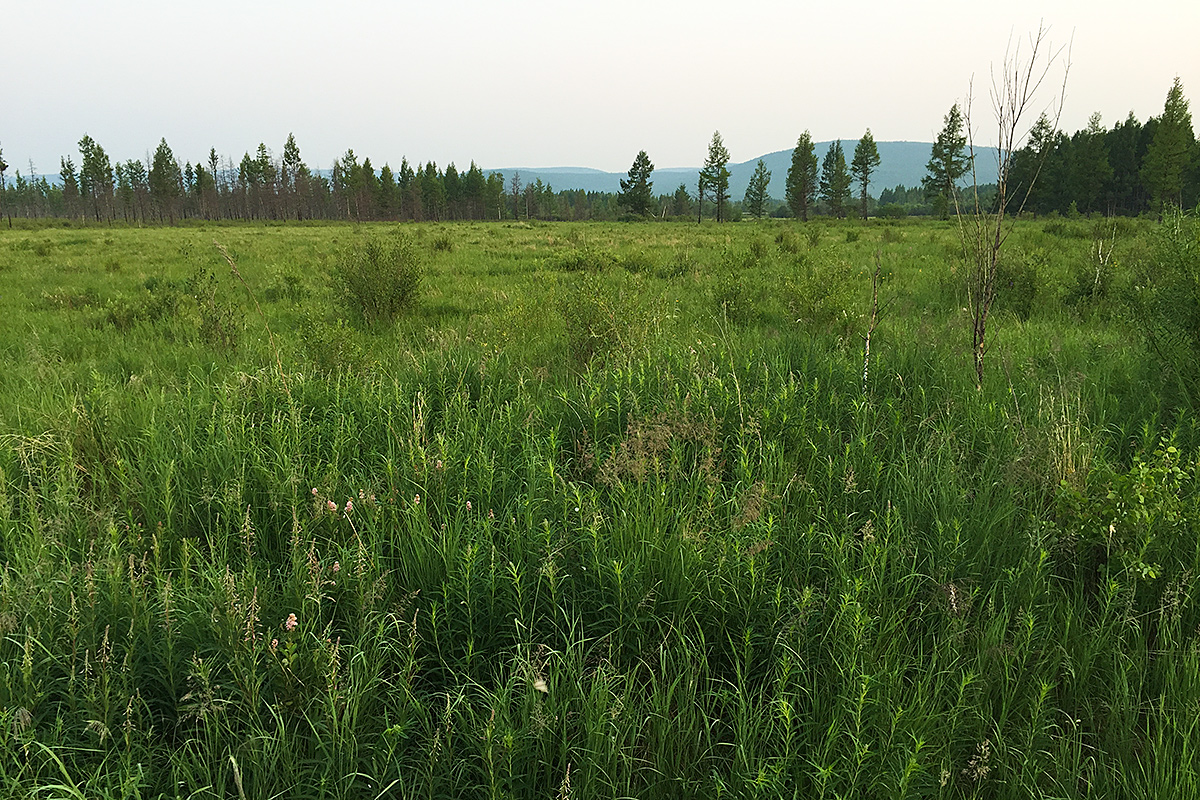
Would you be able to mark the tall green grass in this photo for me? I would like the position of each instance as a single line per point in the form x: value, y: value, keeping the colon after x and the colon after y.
x: 464, y: 555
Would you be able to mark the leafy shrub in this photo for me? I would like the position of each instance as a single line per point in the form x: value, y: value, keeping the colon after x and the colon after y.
x: 639, y: 261
x: 1165, y: 301
x: 159, y: 300
x: 852, y: 236
x: 1139, y: 524
x: 813, y: 234
x: 604, y: 318
x: 682, y: 263
x: 379, y: 279
x: 736, y: 294
x: 759, y: 250
x: 788, y: 241
x: 286, y: 283
x: 1018, y: 278
x: 891, y: 235
x: 331, y: 346
x: 221, y: 321
x: 822, y: 297
x: 583, y: 259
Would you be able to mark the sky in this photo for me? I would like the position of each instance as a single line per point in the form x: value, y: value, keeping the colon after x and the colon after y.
x: 540, y: 83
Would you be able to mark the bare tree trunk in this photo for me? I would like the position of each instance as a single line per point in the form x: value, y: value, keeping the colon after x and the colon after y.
x: 984, y: 232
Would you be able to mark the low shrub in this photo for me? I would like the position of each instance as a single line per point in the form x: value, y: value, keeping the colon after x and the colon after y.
x: 379, y: 279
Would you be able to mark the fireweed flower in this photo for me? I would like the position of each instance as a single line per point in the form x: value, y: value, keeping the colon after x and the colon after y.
x: 290, y: 624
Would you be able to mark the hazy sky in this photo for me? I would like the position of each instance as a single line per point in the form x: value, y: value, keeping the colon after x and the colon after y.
x: 540, y: 83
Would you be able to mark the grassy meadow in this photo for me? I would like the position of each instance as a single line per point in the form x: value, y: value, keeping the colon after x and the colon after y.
x: 605, y: 511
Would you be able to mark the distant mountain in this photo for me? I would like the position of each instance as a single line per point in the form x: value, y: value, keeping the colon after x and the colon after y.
x: 899, y: 163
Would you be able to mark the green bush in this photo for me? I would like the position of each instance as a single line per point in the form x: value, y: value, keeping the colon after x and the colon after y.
x: 583, y: 259
x: 604, y: 318
x: 379, y: 279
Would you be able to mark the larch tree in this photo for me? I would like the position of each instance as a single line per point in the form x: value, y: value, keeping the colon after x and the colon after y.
x: 865, y: 161
x: 96, y: 177
x: 947, y: 163
x: 835, y: 179
x: 756, y: 192
x: 1170, y: 151
x: 636, y: 192
x: 166, y: 181
x: 714, y: 177
x: 802, y: 177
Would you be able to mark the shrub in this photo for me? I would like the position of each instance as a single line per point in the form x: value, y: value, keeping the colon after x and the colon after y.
x: 1018, y: 278
x: 788, y: 241
x: 332, y: 347
x: 377, y: 279
x: 1166, y: 301
x: 221, y: 322
x: 583, y: 259
x: 603, y: 318
x: 822, y: 298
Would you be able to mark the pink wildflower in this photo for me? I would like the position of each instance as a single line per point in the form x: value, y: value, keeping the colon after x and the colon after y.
x: 291, y: 623
x: 349, y: 505
x: 337, y: 567
x: 331, y: 505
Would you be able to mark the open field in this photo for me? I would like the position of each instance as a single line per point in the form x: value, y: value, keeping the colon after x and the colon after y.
x: 611, y: 512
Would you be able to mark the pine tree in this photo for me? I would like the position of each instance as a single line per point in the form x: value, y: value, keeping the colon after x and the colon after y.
x: 835, y: 180
x: 636, y: 193
x: 1170, y: 151
x: 866, y: 159
x: 714, y: 177
x: 946, y: 164
x: 756, y: 193
x: 802, y: 177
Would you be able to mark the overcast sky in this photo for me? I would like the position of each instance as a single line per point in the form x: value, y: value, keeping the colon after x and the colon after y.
x: 550, y: 83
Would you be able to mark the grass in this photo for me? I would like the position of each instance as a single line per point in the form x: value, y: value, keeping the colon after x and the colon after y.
x: 607, y: 514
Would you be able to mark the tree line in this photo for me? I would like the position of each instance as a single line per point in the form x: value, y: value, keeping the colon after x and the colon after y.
x: 264, y: 186
x: 1130, y: 169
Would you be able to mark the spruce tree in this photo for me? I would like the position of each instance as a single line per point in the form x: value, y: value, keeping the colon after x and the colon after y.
x: 802, y: 177
x: 835, y: 180
x: 756, y: 193
x: 714, y: 178
x: 635, y: 193
x: 866, y: 159
x: 946, y: 163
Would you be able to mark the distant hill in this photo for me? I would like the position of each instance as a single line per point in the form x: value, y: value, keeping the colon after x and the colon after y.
x: 899, y: 163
